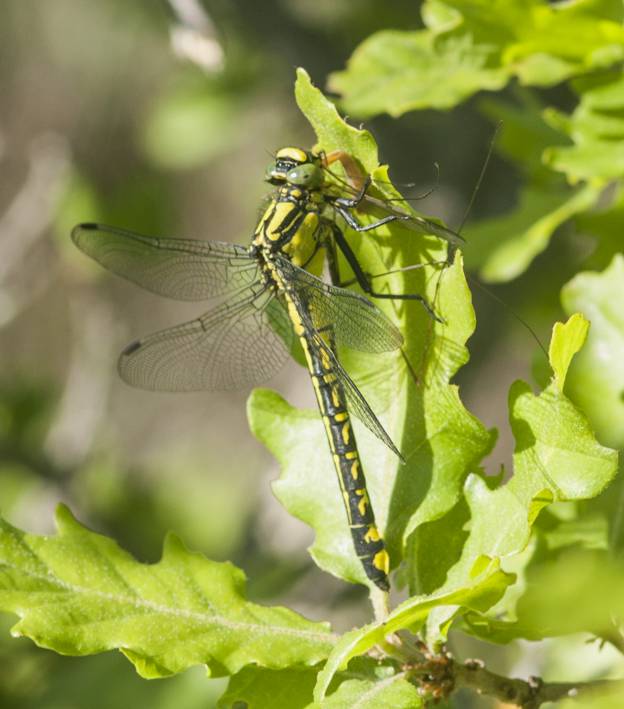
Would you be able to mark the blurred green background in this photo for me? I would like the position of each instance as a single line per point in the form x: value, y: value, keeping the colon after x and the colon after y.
x: 160, y: 117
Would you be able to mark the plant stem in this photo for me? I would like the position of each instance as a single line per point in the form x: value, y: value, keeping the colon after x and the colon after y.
x: 439, y: 675
x: 379, y: 601
x: 527, y: 694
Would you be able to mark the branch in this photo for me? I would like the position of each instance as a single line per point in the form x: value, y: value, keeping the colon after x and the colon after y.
x: 527, y: 694
x: 439, y: 675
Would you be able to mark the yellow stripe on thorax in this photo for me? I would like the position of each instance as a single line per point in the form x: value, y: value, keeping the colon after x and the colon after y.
x: 281, y: 212
x: 303, y: 244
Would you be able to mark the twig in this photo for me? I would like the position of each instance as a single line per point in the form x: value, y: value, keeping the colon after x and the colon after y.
x: 438, y: 675
x: 379, y: 601
x: 527, y: 694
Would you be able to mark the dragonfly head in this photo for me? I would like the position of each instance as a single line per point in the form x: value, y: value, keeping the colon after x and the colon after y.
x: 297, y: 167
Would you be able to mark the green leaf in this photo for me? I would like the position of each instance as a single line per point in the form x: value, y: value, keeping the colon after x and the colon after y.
x: 597, y: 159
x: 605, y: 226
x: 504, y: 247
x: 556, y: 452
x: 307, y: 487
x: 394, y: 691
x: 544, y: 43
x: 260, y: 688
x: 78, y: 593
x: 556, y: 459
x: 596, y: 378
x: 395, y: 72
x: 484, y: 590
x: 596, y: 128
x: 550, y: 606
x: 473, y: 45
x: 408, y: 390
x: 584, y: 531
x: 567, y: 339
x: 367, y: 683
x: 332, y: 132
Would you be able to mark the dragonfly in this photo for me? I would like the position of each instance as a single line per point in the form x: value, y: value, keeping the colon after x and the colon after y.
x: 272, y: 295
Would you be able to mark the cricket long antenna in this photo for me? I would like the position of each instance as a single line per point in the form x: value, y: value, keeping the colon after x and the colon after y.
x: 481, y: 176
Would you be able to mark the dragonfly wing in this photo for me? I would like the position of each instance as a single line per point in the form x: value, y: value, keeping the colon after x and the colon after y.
x: 416, y: 223
x: 356, y: 402
x: 184, y: 269
x: 355, y: 321
x: 422, y: 225
x: 237, y: 344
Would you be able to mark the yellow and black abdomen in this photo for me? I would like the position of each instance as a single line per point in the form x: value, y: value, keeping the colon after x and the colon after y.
x: 331, y: 400
x: 330, y: 396
x: 292, y: 225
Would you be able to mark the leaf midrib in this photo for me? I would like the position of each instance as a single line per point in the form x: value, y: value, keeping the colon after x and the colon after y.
x: 137, y: 602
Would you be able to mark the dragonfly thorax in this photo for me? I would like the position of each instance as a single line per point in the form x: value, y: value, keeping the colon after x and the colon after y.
x: 292, y: 225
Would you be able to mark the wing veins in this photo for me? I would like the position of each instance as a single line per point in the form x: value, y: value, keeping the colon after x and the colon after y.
x: 184, y: 269
x: 234, y: 344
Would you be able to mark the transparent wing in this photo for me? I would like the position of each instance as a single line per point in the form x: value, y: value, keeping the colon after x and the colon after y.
x: 420, y: 225
x: 237, y: 344
x: 184, y: 269
x: 355, y: 321
x: 356, y: 402
x: 413, y: 222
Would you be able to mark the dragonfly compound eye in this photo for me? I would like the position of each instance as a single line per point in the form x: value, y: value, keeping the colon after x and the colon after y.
x: 308, y: 175
x: 277, y: 172
x: 274, y: 174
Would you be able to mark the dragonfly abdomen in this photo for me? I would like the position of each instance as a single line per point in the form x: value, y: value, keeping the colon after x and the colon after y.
x: 369, y: 545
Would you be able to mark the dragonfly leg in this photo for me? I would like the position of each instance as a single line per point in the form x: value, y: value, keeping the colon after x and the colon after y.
x: 332, y: 262
x: 344, y: 204
x: 334, y: 269
x: 342, y: 209
x: 364, y: 280
x: 312, y: 255
x: 353, y: 202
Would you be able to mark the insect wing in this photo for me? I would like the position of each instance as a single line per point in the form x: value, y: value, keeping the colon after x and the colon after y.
x: 355, y: 321
x: 356, y: 402
x: 184, y: 269
x: 420, y: 225
x: 237, y: 344
x: 416, y: 223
